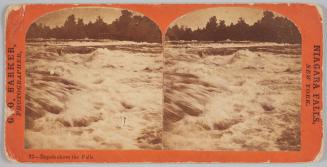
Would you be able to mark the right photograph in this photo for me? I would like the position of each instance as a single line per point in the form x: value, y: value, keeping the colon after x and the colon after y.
x: 232, y: 81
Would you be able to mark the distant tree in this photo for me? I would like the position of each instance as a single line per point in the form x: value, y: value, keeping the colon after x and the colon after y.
x: 145, y: 29
x: 211, y: 29
x: 286, y: 31
x: 70, y: 28
x: 199, y: 34
x: 121, y: 24
x: 239, y: 31
x: 222, y: 31
x: 38, y: 31
x: 264, y: 29
x: 80, y: 29
x: 34, y: 31
x: 100, y: 28
x: 275, y: 29
x: 181, y: 33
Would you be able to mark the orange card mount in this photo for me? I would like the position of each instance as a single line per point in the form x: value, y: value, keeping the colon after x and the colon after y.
x: 164, y: 83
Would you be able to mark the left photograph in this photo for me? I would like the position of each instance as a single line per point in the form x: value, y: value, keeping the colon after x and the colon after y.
x: 93, y: 81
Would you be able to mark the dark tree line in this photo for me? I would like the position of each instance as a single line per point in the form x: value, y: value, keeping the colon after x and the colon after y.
x: 268, y: 29
x: 127, y: 27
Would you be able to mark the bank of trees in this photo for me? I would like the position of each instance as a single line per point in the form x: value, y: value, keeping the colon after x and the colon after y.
x: 268, y: 29
x: 126, y: 27
x: 139, y: 28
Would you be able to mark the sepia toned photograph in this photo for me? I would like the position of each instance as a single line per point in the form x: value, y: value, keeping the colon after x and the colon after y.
x: 232, y: 81
x: 93, y: 81
x: 226, y: 78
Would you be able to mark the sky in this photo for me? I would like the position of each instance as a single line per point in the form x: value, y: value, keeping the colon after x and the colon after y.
x: 200, y: 18
x: 86, y: 13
